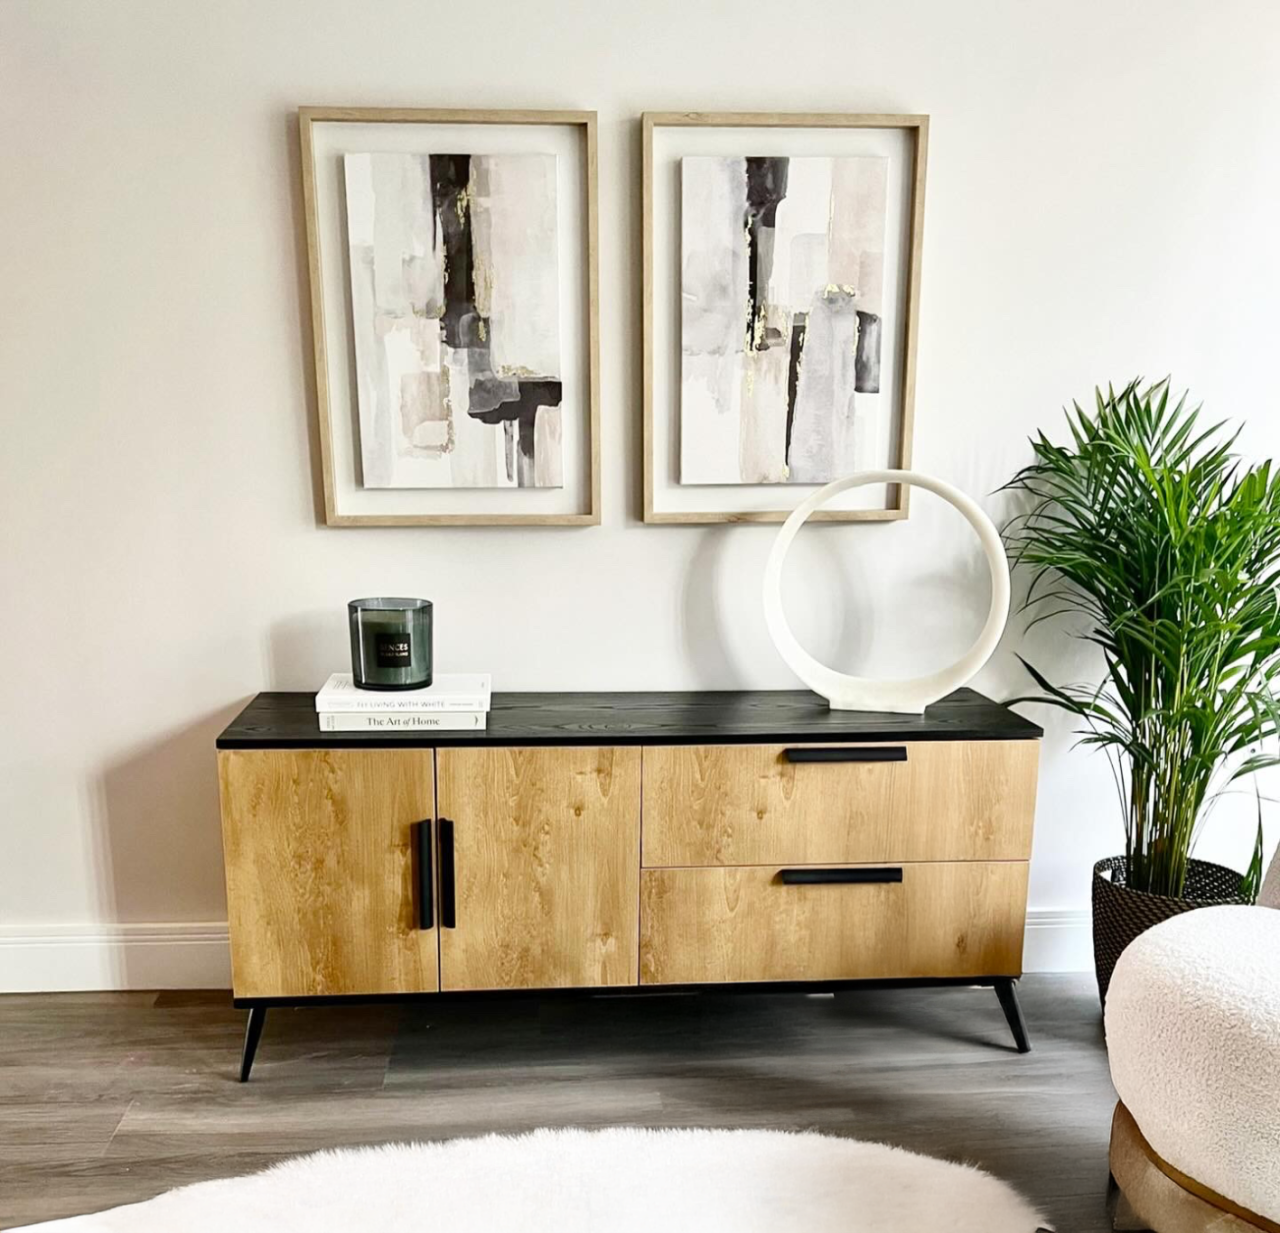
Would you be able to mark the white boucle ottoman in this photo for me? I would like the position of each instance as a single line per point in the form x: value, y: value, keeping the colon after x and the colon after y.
x: 1193, y: 1034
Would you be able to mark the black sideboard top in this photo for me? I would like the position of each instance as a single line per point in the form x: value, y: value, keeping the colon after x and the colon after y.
x: 288, y: 721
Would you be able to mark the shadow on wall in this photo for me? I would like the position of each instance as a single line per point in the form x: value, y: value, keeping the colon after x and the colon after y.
x: 703, y: 620
x: 157, y: 834
x: 943, y: 602
x: 302, y: 650
x: 722, y: 607
x: 1052, y: 646
x: 302, y: 290
x: 158, y: 843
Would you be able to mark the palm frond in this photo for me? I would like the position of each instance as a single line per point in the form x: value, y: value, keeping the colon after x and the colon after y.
x: 1149, y: 526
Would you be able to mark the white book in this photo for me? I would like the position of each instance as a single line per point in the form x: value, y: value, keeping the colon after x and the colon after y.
x: 448, y: 692
x: 401, y: 721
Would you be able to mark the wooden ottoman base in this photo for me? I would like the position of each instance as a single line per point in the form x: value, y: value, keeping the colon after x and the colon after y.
x: 1153, y: 1195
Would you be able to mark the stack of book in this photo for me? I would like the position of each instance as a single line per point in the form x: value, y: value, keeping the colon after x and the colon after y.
x: 452, y: 703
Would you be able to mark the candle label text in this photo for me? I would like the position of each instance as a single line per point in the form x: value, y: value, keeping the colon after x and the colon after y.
x: 393, y: 651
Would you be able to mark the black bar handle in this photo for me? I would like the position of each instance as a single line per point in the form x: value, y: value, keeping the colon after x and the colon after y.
x: 426, y: 910
x: 448, y: 904
x: 856, y: 753
x: 828, y: 877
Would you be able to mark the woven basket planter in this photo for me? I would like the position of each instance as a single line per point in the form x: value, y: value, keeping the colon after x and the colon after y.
x: 1121, y: 914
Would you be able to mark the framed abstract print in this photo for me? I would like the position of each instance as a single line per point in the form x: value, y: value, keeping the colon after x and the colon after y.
x: 452, y: 257
x: 781, y: 297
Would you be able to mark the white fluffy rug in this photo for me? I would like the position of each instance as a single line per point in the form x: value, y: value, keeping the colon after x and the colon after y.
x: 608, y: 1181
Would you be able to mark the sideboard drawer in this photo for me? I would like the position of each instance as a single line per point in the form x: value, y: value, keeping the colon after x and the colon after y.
x: 770, y: 804
x: 714, y: 925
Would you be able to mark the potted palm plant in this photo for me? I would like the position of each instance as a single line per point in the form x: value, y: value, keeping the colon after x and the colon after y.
x: 1149, y: 525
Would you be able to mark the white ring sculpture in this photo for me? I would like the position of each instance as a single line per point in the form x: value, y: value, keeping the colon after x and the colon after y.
x: 856, y: 693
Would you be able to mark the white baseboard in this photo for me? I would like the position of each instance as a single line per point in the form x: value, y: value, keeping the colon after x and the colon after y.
x: 1058, y: 940
x: 70, y: 958
x: 194, y: 955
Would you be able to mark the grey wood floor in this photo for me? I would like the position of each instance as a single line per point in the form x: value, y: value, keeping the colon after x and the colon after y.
x: 111, y: 1098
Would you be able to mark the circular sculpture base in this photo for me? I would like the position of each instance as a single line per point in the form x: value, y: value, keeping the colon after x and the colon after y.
x: 856, y: 693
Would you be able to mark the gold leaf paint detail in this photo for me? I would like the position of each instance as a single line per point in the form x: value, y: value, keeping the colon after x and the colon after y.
x: 483, y: 277
x: 446, y: 383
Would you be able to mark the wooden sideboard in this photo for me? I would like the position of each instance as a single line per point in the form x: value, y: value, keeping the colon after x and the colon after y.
x: 627, y: 841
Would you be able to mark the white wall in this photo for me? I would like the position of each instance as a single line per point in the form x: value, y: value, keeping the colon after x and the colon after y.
x: 1102, y: 194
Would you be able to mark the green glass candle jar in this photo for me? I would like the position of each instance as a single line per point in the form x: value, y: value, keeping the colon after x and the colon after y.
x: 390, y: 643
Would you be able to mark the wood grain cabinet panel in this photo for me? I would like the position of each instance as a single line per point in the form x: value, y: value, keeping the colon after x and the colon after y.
x: 751, y: 805
x: 713, y: 925
x: 546, y: 867
x: 319, y: 847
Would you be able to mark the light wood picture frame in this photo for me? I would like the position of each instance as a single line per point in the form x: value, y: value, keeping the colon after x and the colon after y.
x: 325, y: 135
x: 665, y: 138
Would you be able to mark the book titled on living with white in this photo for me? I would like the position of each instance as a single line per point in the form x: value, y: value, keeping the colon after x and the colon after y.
x: 462, y: 691
x: 402, y: 721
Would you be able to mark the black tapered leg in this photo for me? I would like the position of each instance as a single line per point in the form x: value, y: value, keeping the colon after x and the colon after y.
x: 252, y: 1034
x: 1008, y: 996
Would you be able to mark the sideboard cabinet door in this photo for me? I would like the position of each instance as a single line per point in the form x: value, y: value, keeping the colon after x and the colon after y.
x: 325, y: 891
x: 543, y: 849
